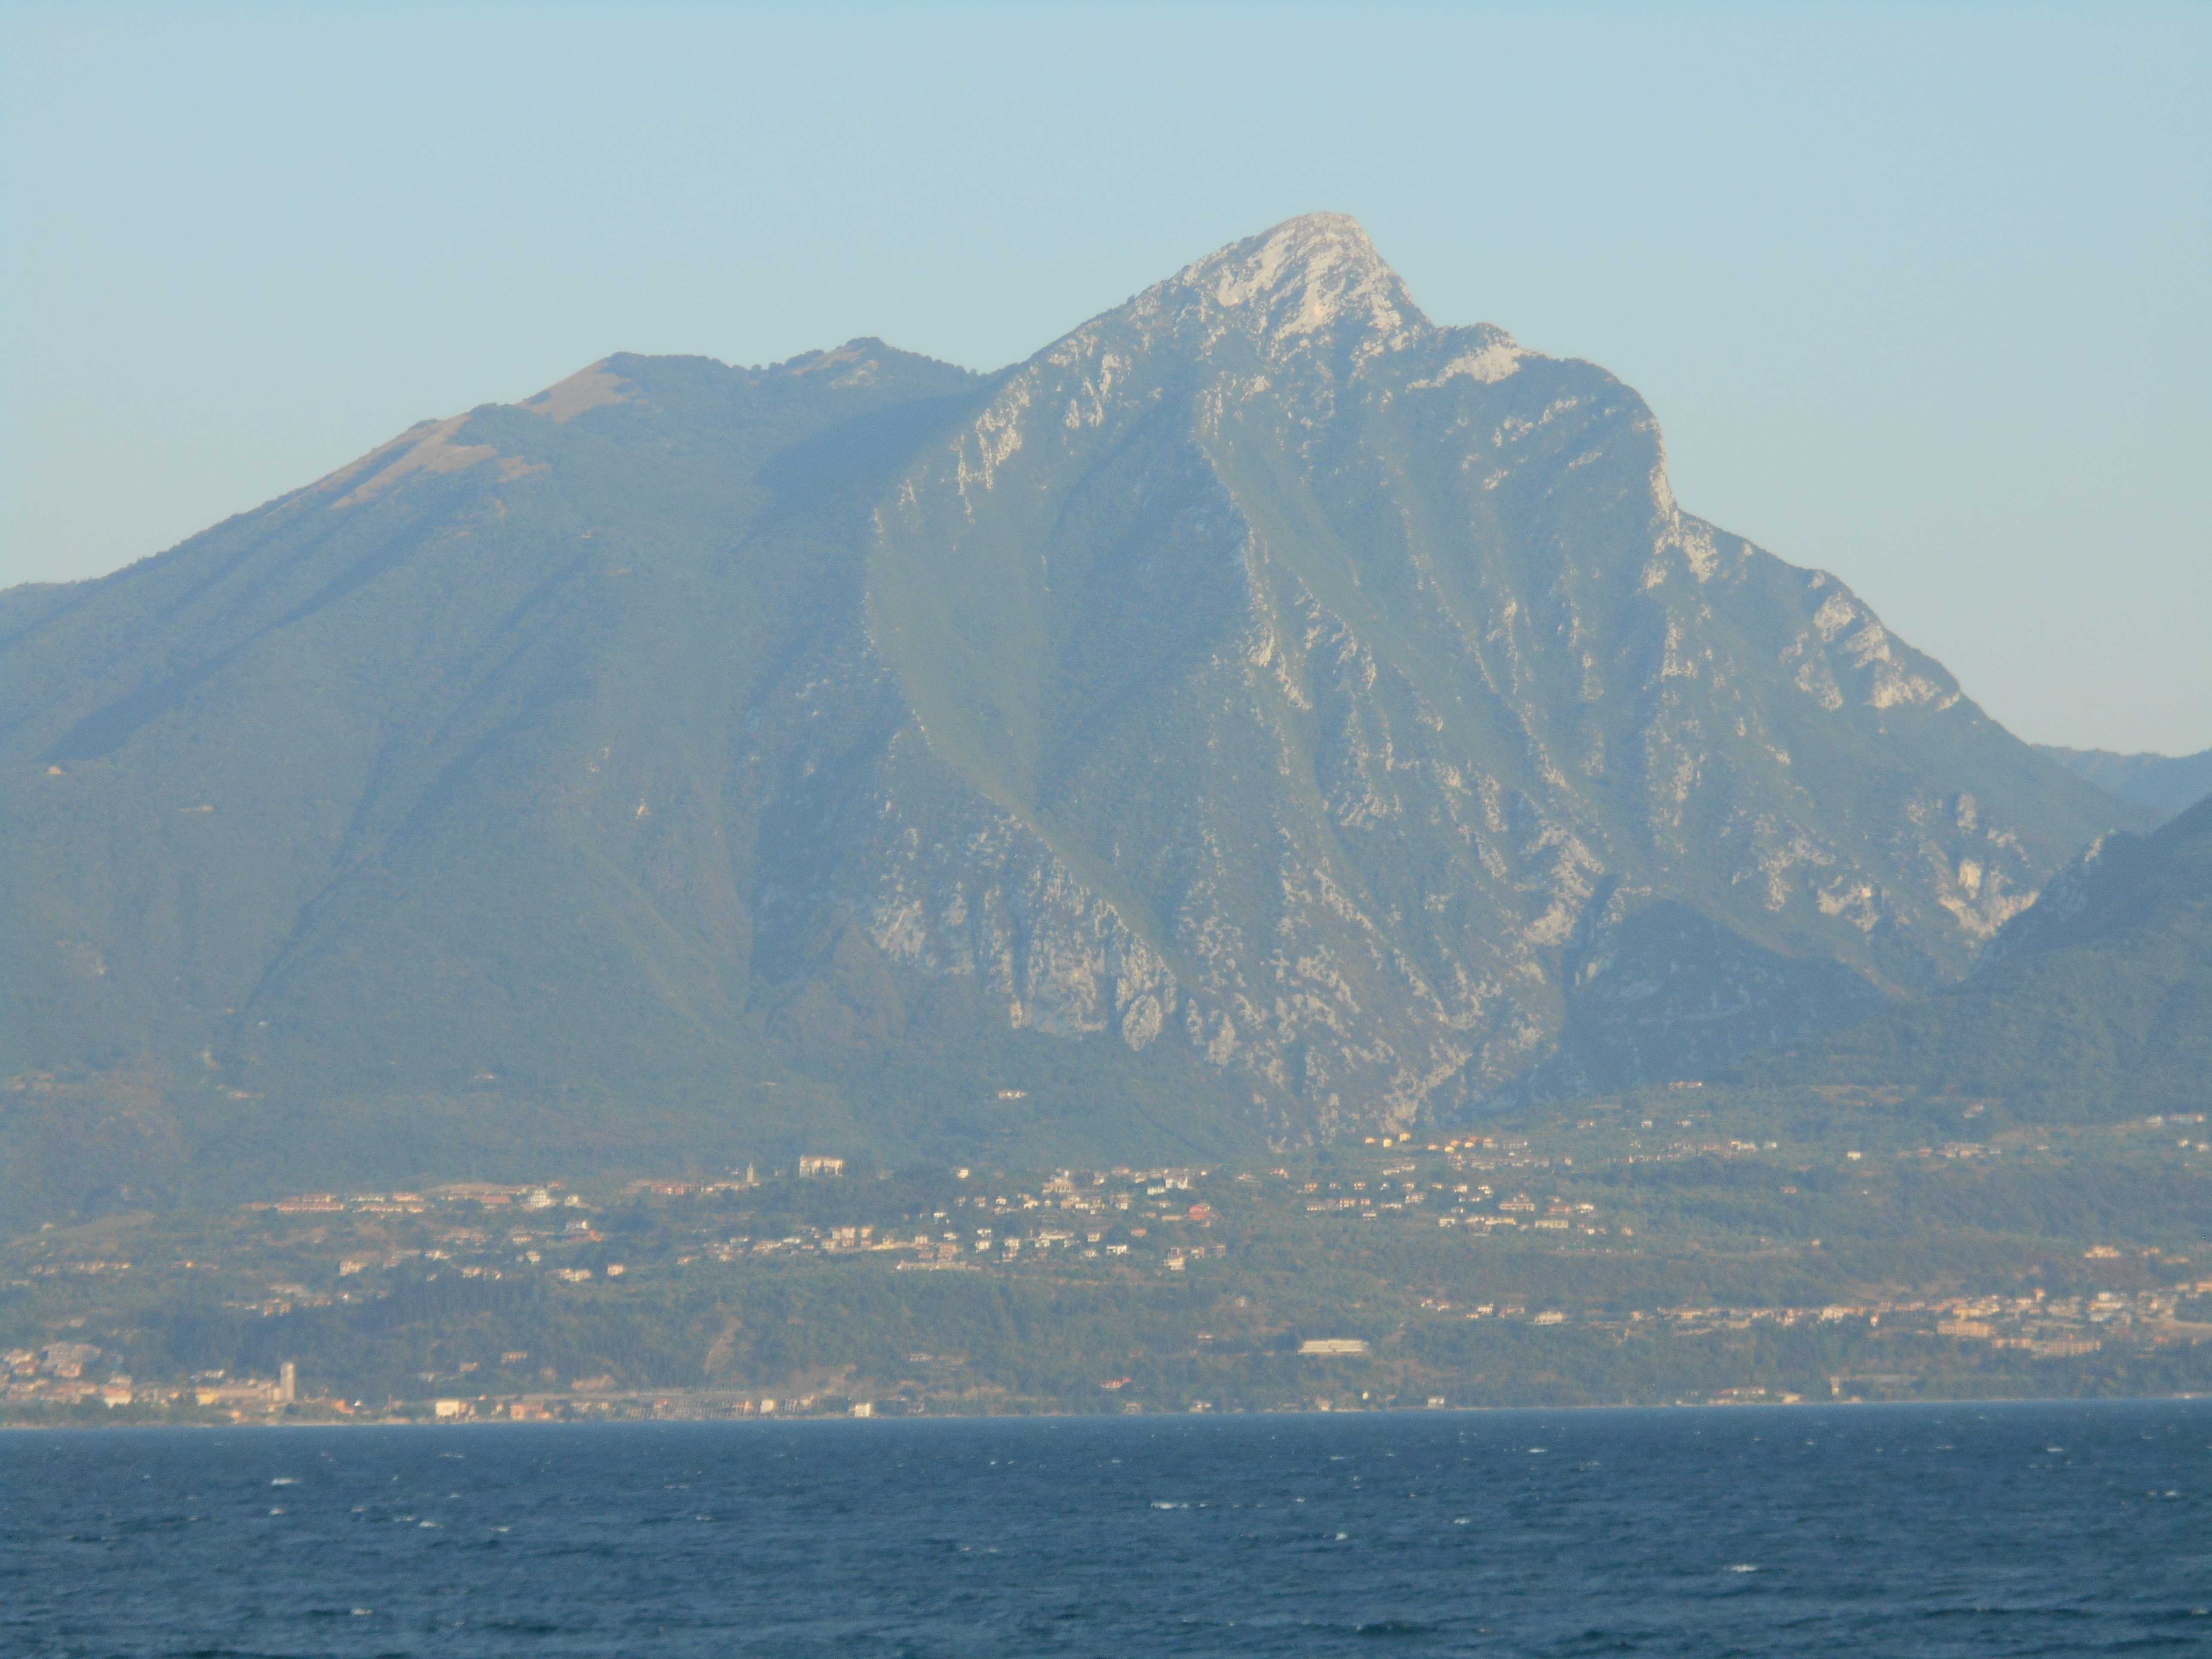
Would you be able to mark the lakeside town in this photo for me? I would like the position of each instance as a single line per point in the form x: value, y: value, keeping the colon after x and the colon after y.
x: 1609, y: 1254
x: 66, y: 1374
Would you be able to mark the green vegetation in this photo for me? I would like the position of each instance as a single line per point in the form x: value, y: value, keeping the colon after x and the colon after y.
x: 1661, y: 1245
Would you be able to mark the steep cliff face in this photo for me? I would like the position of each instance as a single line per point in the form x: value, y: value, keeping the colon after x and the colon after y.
x: 1262, y: 712
x: 1371, y: 675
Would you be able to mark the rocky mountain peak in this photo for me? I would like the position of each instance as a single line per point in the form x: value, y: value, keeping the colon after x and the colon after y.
x: 1260, y: 715
x: 1314, y: 275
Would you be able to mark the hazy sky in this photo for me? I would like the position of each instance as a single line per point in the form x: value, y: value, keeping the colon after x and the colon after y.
x: 1919, y: 294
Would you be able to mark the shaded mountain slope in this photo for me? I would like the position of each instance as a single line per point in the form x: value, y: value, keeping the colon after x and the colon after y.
x: 1261, y: 713
x: 2168, y: 783
x: 2096, y: 1003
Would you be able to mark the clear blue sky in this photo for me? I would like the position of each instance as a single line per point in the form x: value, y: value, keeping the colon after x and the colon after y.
x: 1919, y: 293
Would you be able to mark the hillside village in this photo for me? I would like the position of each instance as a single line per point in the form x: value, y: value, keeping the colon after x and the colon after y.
x: 1653, y: 1249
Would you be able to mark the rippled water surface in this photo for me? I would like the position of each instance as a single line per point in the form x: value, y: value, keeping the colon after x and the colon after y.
x: 1924, y: 1531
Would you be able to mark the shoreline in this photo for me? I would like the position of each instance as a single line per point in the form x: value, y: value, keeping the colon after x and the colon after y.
x: 777, y: 1419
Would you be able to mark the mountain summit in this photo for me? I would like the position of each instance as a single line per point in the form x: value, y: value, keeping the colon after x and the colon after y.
x: 1306, y: 277
x: 1263, y: 714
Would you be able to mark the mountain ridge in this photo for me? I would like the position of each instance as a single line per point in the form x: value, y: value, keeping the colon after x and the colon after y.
x: 1261, y: 714
x: 2168, y: 783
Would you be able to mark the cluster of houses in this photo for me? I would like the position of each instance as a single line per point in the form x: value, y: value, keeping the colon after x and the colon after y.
x: 66, y: 1374
x: 1515, y: 1211
x: 2048, y: 1328
x: 597, y: 1398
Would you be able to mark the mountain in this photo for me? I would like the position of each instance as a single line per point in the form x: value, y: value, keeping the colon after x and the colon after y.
x: 2094, y: 1003
x: 2165, y: 782
x: 1263, y: 715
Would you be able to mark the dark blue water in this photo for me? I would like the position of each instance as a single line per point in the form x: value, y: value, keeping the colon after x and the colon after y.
x: 1920, y: 1531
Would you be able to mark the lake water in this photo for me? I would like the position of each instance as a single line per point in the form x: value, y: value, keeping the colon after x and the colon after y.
x: 1925, y: 1531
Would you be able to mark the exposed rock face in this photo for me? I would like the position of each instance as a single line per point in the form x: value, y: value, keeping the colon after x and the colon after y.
x: 1443, y: 683
x: 1330, y: 714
